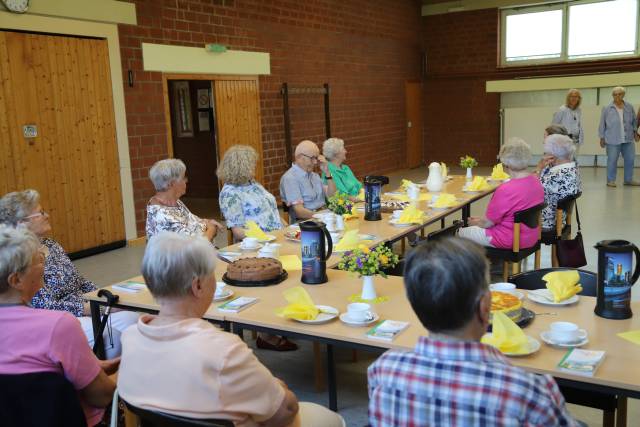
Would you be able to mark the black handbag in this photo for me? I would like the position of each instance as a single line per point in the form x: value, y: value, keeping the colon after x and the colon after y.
x: 570, y: 252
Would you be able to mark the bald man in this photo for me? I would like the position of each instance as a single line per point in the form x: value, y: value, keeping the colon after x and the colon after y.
x: 300, y: 187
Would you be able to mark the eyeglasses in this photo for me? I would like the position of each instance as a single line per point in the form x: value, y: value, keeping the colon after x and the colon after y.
x: 37, y: 214
x: 312, y: 158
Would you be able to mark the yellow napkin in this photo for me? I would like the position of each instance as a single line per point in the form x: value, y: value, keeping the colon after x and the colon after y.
x: 633, y: 336
x: 300, y: 306
x: 291, y: 262
x: 410, y: 215
x: 478, y: 184
x: 507, y: 336
x: 254, y: 230
x: 498, y: 173
x: 563, y: 284
x: 349, y: 241
x: 348, y: 216
x: 445, y: 171
x: 406, y: 183
x: 361, y: 194
x: 445, y: 200
x: 404, y: 198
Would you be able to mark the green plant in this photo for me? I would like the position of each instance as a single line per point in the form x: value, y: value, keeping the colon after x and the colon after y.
x: 340, y: 204
x: 468, y: 162
x: 368, y: 262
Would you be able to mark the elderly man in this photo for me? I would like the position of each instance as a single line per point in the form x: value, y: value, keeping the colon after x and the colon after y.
x: 450, y: 378
x: 300, y: 187
x: 617, y: 131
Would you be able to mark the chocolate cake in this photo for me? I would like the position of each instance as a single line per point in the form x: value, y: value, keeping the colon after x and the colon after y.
x: 254, y: 270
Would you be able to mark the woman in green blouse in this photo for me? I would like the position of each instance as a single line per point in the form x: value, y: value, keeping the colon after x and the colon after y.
x: 338, y: 176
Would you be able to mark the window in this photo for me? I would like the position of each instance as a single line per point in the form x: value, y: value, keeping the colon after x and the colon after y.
x: 573, y: 30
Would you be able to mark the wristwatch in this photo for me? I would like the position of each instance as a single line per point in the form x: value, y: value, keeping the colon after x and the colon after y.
x: 328, y: 177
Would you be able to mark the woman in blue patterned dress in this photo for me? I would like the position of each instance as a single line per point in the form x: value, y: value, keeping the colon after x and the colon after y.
x: 243, y: 199
x: 63, y: 284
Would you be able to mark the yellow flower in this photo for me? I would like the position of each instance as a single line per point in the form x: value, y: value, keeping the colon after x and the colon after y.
x: 341, y: 202
x: 384, y: 260
x: 364, y: 249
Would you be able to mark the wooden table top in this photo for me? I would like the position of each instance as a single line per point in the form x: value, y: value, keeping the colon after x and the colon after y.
x: 618, y: 369
x: 383, y: 230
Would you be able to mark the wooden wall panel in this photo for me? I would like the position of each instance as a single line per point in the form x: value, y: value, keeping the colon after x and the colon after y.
x: 237, y: 112
x: 63, y: 85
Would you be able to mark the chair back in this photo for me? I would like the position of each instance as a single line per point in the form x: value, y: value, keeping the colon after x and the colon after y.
x: 568, y: 202
x: 449, y: 231
x: 565, y: 206
x: 530, y: 216
x: 531, y: 280
x: 162, y: 419
x: 39, y: 399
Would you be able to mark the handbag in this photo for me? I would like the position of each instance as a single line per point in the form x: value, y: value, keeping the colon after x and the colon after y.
x: 570, y: 252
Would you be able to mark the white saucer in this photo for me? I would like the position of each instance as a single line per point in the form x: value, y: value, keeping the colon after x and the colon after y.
x: 224, y: 295
x: 344, y: 318
x: 231, y: 256
x: 255, y: 248
x: 544, y: 296
x: 534, y: 345
x: 546, y: 337
x: 396, y: 224
x: 367, y: 237
x: 328, y: 313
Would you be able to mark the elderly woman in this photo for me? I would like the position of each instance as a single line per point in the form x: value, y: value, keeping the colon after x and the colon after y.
x: 165, y: 210
x: 617, y: 133
x: 34, y: 340
x: 243, y: 199
x: 560, y: 177
x: 569, y: 115
x: 177, y: 363
x: 521, y: 192
x: 63, y: 284
x: 338, y: 177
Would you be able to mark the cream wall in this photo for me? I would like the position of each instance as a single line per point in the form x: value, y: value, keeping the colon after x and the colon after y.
x: 108, y: 31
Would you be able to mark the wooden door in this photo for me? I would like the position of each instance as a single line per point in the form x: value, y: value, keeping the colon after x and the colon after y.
x: 413, y: 107
x: 63, y: 86
x: 237, y: 112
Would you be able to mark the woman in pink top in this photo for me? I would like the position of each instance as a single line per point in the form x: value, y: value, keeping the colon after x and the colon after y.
x: 34, y: 340
x: 521, y: 192
x: 177, y: 363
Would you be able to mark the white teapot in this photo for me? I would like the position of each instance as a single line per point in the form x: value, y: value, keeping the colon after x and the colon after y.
x: 435, y: 181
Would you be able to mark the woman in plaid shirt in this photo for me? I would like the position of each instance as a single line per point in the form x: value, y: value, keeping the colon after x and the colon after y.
x: 450, y: 378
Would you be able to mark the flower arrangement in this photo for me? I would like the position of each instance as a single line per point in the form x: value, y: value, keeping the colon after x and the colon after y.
x: 340, y: 204
x: 368, y: 262
x: 468, y: 162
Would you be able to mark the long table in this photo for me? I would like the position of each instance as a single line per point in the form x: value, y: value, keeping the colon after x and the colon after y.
x: 615, y: 376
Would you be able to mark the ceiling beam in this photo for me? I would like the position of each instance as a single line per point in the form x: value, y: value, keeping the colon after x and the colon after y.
x: 467, y: 5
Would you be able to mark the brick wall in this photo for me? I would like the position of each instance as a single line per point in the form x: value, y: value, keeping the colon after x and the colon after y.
x: 365, y: 50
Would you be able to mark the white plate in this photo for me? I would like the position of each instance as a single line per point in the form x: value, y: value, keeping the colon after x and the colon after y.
x: 255, y: 248
x: 544, y: 296
x: 367, y: 237
x: 224, y: 295
x: 328, y: 313
x: 546, y: 337
x: 534, y: 345
x: 231, y: 256
x: 393, y: 222
x: 270, y: 238
x: 344, y: 318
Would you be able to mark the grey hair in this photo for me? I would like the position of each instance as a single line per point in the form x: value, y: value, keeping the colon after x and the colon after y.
x: 331, y: 147
x: 17, y: 248
x: 618, y: 89
x: 171, y: 262
x: 515, y: 154
x: 556, y: 129
x: 560, y: 146
x: 164, y: 172
x: 16, y: 206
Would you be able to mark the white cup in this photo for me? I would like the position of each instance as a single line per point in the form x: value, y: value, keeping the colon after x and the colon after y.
x: 396, y: 214
x: 413, y: 192
x: 435, y: 198
x: 330, y: 221
x: 502, y: 286
x: 249, y: 243
x: 566, y: 332
x: 360, y: 312
x: 220, y: 290
x: 339, y: 222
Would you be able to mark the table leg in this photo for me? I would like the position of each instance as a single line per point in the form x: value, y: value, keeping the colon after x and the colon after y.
x: 95, y: 323
x: 331, y: 379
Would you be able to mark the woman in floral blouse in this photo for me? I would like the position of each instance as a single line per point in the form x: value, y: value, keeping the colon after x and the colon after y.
x: 63, y: 284
x: 165, y: 210
x: 242, y: 199
x: 559, y: 175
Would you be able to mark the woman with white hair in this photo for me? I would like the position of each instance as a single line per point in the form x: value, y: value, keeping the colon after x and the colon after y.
x: 617, y: 131
x: 178, y: 363
x: 165, y: 210
x: 521, y: 192
x: 63, y: 284
x: 560, y: 177
x: 34, y: 340
x: 338, y: 176
x: 243, y: 199
x: 569, y: 115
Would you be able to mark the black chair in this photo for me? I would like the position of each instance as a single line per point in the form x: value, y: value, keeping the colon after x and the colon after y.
x: 562, y: 231
x: 161, y: 419
x: 39, y: 399
x: 531, y: 218
x: 607, y: 403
